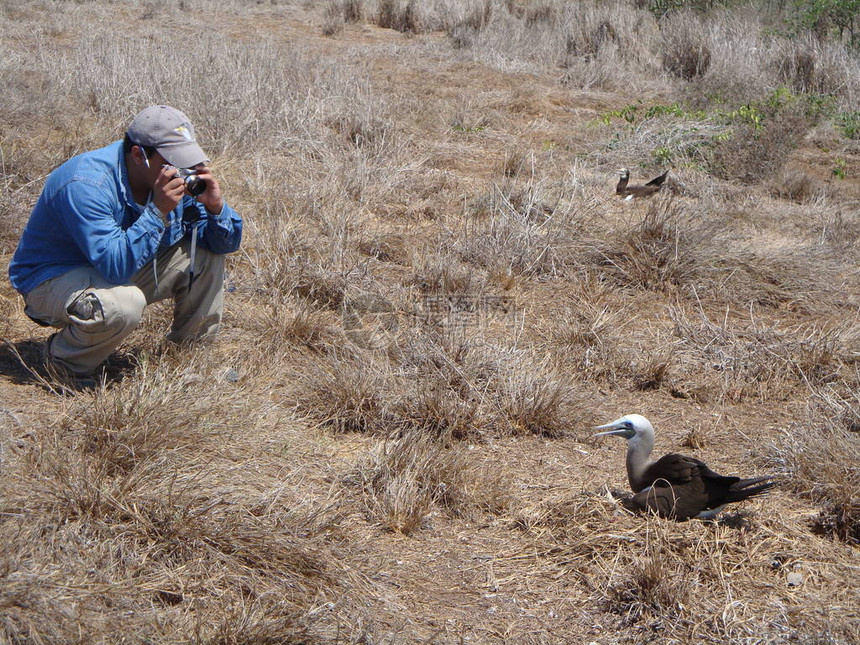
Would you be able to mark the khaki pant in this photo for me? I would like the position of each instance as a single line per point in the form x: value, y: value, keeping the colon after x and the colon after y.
x: 94, y: 316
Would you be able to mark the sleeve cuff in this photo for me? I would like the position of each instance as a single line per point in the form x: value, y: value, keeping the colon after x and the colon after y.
x: 219, y: 213
x: 156, y: 216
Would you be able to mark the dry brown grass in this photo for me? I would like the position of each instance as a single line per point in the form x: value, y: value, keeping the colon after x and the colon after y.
x: 437, y: 296
x: 795, y: 185
x: 124, y: 482
x: 523, y: 229
x: 736, y: 359
x: 816, y: 458
x: 661, y: 252
x: 686, y: 53
x: 409, y: 477
x: 751, y: 153
x: 534, y: 400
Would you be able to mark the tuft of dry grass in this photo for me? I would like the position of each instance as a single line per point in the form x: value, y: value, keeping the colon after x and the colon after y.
x: 443, y: 384
x: 334, y: 21
x: 283, y: 325
x: 737, y: 359
x: 686, y: 53
x: 795, y: 185
x: 650, y: 591
x: 795, y: 66
x: 385, y: 248
x: 407, y: 477
x: 695, y: 439
x: 441, y: 405
x: 343, y: 392
x: 839, y: 519
x: 321, y: 287
x: 840, y: 230
x: 816, y: 457
x: 440, y: 273
x: 400, y: 16
x: 752, y: 153
x: 338, y: 13
x: 522, y: 230
x: 662, y: 252
x: 533, y: 400
x: 590, y: 330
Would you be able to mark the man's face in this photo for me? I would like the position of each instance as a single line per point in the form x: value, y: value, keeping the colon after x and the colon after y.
x: 156, y: 163
x: 150, y: 165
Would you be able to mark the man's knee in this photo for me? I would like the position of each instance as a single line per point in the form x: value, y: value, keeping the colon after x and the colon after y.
x: 119, y: 307
x: 210, y: 262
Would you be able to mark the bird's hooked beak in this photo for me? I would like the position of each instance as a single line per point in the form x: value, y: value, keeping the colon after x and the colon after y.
x: 616, y: 429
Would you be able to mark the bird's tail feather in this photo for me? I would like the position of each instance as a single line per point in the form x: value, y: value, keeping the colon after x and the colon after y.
x: 746, y: 488
x: 658, y: 181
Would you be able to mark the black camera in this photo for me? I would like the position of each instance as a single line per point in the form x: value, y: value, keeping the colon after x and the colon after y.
x: 193, y: 184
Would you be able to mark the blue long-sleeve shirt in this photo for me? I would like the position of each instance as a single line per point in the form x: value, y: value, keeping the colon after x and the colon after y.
x: 86, y: 215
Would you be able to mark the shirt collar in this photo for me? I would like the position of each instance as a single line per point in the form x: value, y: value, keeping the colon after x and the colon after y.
x: 124, y: 184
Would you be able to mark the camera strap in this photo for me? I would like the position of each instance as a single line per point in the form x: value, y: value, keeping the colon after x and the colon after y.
x: 148, y: 200
x: 155, y: 271
x: 193, y: 255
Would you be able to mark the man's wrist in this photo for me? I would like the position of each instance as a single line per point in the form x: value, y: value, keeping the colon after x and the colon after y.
x: 164, y: 217
x: 215, y: 211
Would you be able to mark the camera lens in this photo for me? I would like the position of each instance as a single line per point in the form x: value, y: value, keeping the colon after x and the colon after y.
x: 194, y: 185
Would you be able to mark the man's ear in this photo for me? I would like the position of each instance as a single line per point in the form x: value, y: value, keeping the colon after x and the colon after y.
x: 139, y: 156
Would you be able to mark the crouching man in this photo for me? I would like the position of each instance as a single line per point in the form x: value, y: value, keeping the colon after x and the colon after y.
x: 118, y: 228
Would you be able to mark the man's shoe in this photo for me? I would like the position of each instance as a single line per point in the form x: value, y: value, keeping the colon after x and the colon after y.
x: 60, y: 372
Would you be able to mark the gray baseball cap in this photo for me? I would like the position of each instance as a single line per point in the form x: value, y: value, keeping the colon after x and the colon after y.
x: 168, y: 131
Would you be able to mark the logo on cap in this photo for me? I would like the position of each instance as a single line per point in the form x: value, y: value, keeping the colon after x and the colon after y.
x: 183, y: 131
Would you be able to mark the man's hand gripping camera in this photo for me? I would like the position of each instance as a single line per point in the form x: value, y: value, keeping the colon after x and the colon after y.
x: 193, y: 184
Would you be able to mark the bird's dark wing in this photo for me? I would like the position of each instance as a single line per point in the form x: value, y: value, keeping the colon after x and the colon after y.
x: 680, y: 501
x: 719, y: 487
x: 681, y: 487
x: 673, y: 469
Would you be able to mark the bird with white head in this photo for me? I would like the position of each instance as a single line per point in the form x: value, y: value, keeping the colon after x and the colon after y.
x: 627, y: 191
x: 676, y: 486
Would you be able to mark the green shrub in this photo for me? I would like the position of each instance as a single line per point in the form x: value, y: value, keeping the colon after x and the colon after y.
x: 848, y: 124
x: 756, y: 148
x: 822, y: 17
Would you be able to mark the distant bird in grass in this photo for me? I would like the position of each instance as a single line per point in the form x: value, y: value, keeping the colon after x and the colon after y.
x: 675, y: 486
x: 623, y: 189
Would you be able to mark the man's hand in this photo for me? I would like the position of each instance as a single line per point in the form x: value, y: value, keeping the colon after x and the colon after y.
x: 211, y: 197
x: 167, y: 191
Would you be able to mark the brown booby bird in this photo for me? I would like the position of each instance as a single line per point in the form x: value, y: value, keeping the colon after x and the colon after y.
x: 675, y: 486
x: 629, y: 192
